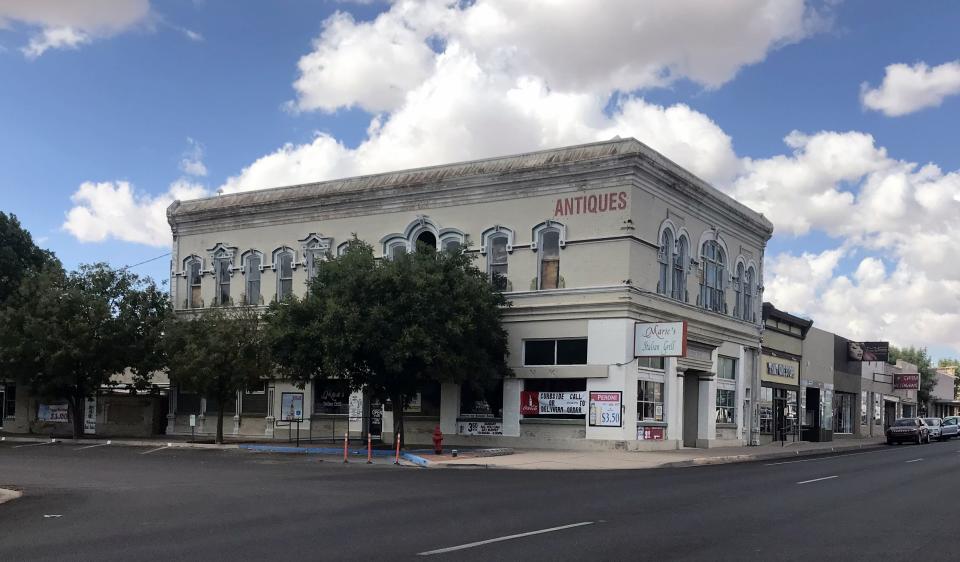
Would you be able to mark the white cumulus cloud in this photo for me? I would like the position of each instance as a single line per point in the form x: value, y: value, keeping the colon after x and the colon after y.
x: 192, y: 161
x: 67, y: 24
x: 909, y: 88
x: 115, y: 210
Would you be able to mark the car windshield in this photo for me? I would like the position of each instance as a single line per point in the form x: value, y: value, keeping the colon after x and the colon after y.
x: 933, y: 421
x: 905, y: 422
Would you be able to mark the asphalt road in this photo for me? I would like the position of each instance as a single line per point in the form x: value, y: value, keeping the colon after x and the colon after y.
x: 116, y: 503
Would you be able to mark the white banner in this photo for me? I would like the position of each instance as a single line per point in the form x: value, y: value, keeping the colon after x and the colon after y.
x: 660, y: 339
x: 56, y: 413
x: 480, y: 428
x: 90, y: 416
x: 556, y: 403
x: 605, y: 409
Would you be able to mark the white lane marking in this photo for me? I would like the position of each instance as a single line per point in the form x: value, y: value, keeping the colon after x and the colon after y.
x: 818, y: 479
x: 827, y: 458
x: 501, y: 539
x: 91, y: 446
x: 915, y: 460
x: 32, y: 444
x: 52, y: 516
x: 154, y: 450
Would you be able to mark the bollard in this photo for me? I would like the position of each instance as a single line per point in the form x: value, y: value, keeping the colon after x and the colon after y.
x: 397, y: 459
x: 369, y: 450
x: 346, y: 442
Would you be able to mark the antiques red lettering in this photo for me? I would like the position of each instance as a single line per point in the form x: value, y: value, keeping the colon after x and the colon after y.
x: 592, y: 204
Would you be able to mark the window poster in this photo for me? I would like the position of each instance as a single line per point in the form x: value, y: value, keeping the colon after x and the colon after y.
x: 606, y: 409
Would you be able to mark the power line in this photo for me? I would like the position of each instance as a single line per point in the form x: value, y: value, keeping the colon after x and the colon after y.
x: 145, y: 261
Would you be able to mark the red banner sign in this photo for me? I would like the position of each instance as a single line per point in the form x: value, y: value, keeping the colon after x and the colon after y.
x: 906, y: 381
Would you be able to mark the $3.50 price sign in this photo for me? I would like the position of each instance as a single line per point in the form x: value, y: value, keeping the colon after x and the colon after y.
x: 606, y: 408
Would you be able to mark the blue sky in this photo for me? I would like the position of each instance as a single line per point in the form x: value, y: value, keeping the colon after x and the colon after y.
x: 121, y: 104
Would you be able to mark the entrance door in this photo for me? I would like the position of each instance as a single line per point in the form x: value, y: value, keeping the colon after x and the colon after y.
x: 811, y: 418
x: 691, y: 407
x: 3, y: 405
x: 889, y: 412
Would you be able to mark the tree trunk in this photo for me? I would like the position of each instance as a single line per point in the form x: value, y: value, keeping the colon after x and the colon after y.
x: 398, y: 419
x: 75, y: 404
x: 220, y: 424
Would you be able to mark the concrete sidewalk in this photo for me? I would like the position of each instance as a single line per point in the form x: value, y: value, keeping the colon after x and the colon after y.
x: 624, y: 460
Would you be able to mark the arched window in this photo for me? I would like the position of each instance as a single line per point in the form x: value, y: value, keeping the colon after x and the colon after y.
x: 497, y: 260
x: 451, y: 239
x: 679, y: 288
x: 283, y: 265
x: 549, y: 258
x: 714, y: 269
x: 396, y: 247
x: 315, y: 249
x: 221, y: 273
x: 193, y: 273
x: 665, y: 257
x: 738, y: 280
x: 251, y: 270
x: 426, y: 241
x: 748, y: 285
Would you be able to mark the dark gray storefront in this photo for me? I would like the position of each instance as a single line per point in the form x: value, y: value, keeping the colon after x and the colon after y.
x: 847, y: 386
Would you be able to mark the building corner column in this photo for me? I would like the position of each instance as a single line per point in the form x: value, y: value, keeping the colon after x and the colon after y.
x: 171, y: 410
x: 449, y: 407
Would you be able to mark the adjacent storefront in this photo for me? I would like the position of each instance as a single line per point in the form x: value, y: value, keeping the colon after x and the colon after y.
x: 780, y: 375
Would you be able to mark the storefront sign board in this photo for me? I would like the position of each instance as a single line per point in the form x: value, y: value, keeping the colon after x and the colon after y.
x: 660, y: 339
x: 552, y: 403
x: 606, y: 409
x: 480, y: 428
x: 291, y: 406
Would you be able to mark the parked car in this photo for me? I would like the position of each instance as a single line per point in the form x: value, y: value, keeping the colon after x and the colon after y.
x: 950, y: 427
x: 909, y: 430
x: 934, y: 424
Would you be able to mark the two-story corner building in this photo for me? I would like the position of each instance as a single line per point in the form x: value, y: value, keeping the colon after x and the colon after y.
x: 585, y: 241
x: 944, y: 397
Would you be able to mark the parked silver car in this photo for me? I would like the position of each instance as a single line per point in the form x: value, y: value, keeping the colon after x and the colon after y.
x: 950, y: 427
x: 908, y: 430
x: 935, y: 425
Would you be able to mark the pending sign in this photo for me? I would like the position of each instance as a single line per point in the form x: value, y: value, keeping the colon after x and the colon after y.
x: 606, y: 408
x: 660, y: 339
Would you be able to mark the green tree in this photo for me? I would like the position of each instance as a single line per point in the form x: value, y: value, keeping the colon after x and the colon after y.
x: 69, y: 334
x: 217, y: 353
x: 956, y: 382
x: 19, y: 256
x: 919, y: 357
x: 392, y: 326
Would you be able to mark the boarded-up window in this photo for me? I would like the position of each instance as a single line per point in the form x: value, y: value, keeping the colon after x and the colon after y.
x: 193, y: 270
x: 550, y: 259
x: 252, y: 271
x: 497, y: 266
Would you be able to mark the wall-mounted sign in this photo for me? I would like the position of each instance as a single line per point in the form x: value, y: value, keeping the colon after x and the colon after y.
x: 779, y: 370
x: 90, y: 416
x: 552, y: 403
x: 590, y: 204
x: 868, y: 350
x: 906, y: 381
x: 480, y: 428
x: 291, y: 406
x: 660, y: 339
x: 605, y: 409
x: 650, y: 433
x: 56, y: 413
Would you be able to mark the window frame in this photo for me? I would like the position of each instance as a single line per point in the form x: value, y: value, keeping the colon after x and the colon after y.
x: 223, y: 276
x: 732, y: 361
x: 542, y: 259
x: 665, y: 261
x: 498, y: 279
x: 555, y: 352
x: 194, y: 268
x: 278, y: 256
x: 729, y: 407
x: 713, y: 258
x: 678, y: 288
x: 252, y: 274
x: 641, y: 409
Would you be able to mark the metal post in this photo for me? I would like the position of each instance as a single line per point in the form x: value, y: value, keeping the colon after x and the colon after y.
x: 397, y: 459
x: 346, y: 440
x: 369, y: 449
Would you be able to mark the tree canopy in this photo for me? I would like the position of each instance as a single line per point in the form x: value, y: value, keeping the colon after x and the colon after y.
x: 216, y: 354
x: 69, y: 334
x: 393, y: 326
x: 19, y: 256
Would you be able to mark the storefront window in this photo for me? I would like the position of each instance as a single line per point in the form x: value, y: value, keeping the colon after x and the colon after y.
x: 650, y: 363
x: 877, y: 408
x: 843, y: 408
x: 766, y: 410
x: 863, y: 408
x: 909, y: 411
x: 9, y: 403
x: 330, y: 400
x: 255, y: 400
x: 555, y: 352
x: 726, y: 406
x: 649, y: 401
x: 482, y: 402
x: 565, y: 395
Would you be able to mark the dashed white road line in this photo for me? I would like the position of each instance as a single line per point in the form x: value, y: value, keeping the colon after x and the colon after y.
x: 32, y: 444
x: 818, y: 479
x: 91, y: 446
x: 915, y: 460
x: 501, y: 539
x: 840, y: 456
x: 154, y: 450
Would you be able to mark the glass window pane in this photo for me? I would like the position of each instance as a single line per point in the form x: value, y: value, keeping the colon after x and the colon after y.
x: 572, y: 352
x: 539, y: 352
x: 498, y: 250
x: 286, y: 265
x: 286, y: 288
x: 550, y: 244
x: 253, y: 268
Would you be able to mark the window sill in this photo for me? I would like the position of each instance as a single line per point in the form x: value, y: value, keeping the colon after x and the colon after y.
x: 726, y: 426
x: 543, y: 421
x: 651, y: 423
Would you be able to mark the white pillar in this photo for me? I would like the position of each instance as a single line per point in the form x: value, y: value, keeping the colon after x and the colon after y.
x: 270, y: 419
x: 707, y: 416
x: 511, y: 407
x: 449, y: 407
x: 673, y: 400
x: 236, y: 412
x: 171, y: 409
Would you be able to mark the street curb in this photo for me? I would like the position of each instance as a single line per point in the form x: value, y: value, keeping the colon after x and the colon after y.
x: 315, y: 450
x: 7, y: 495
x: 733, y: 459
x: 120, y: 442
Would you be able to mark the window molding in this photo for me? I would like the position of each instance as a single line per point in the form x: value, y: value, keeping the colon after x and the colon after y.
x: 495, y: 230
x: 538, y: 230
x: 273, y: 257
x: 248, y: 253
x: 223, y: 252
x: 186, y: 269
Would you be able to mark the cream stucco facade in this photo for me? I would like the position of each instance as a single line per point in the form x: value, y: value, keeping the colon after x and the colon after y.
x: 630, y: 231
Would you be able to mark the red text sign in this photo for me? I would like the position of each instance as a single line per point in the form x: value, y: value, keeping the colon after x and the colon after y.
x: 590, y: 204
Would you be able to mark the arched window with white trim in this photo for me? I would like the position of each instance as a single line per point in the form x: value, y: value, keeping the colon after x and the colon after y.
x: 549, y: 258
x: 315, y: 250
x: 193, y: 271
x: 497, y: 257
x: 665, y: 258
x: 714, y: 270
x: 252, y: 266
x: 738, y: 281
x: 221, y: 275
x: 283, y: 265
x: 679, y: 285
x: 748, y: 292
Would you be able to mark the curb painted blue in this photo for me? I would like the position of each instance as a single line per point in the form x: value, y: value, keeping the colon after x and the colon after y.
x: 417, y: 460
